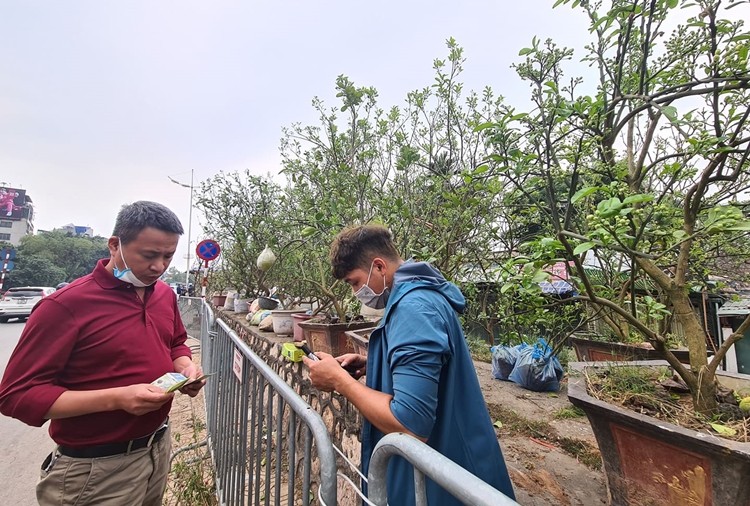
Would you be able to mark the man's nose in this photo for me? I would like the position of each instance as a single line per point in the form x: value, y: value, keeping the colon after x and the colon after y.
x: 160, y: 266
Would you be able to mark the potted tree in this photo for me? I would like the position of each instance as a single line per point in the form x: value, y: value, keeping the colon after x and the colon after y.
x: 337, y: 309
x: 642, y: 177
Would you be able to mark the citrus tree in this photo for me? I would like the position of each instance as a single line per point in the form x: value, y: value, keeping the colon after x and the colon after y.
x: 643, y: 166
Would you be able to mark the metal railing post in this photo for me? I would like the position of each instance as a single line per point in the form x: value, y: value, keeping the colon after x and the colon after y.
x: 247, y: 412
x: 456, y: 480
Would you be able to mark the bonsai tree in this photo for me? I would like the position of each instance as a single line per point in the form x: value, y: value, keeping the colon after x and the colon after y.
x: 416, y: 168
x: 334, y: 174
x: 643, y: 171
x: 243, y: 215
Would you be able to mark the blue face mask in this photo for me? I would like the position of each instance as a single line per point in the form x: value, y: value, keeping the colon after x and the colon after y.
x: 369, y: 298
x: 126, y: 274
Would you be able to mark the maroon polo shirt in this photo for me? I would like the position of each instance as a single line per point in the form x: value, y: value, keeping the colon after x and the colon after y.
x: 95, y: 334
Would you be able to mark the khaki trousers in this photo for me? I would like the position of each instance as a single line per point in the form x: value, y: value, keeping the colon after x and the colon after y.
x: 138, y: 478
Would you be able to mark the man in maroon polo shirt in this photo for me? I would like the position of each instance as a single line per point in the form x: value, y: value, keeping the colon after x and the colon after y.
x: 86, y: 360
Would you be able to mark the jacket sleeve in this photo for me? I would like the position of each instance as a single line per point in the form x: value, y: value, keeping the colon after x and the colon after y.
x: 29, y: 386
x: 418, y: 349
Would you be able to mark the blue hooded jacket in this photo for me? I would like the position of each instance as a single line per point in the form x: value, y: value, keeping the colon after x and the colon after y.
x: 419, y: 354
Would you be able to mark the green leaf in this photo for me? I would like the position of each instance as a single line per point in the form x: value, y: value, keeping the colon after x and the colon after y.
x: 745, y: 225
x: 583, y: 193
x: 723, y: 429
x: 670, y: 112
x: 672, y: 3
x: 484, y: 126
x: 610, y: 207
x: 540, y: 276
x: 638, y: 199
x: 525, y: 51
x: 498, y: 424
x: 583, y: 247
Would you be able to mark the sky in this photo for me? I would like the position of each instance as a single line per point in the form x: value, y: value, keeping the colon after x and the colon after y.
x: 102, y: 102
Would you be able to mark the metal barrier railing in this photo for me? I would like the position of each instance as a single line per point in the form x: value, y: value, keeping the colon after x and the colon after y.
x: 261, y: 433
x: 191, y: 311
x: 453, y: 478
x: 256, y: 424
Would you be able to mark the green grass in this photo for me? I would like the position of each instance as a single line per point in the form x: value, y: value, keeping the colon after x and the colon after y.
x: 629, y: 379
x: 192, y: 480
x: 515, y: 424
x: 479, y: 349
x: 568, y: 412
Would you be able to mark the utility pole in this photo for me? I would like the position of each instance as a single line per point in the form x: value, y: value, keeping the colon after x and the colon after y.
x: 190, y: 223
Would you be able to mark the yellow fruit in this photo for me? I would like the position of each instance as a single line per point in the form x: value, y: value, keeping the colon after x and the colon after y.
x: 745, y: 404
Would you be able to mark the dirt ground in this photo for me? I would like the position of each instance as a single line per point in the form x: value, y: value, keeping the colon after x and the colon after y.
x: 190, y: 479
x: 549, y: 448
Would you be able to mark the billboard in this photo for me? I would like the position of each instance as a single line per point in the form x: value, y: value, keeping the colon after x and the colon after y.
x: 12, y: 203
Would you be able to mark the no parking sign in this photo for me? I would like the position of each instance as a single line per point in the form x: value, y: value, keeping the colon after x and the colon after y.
x: 207, y: 250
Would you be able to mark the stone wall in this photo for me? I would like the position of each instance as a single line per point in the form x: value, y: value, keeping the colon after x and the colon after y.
x: 340, y: 416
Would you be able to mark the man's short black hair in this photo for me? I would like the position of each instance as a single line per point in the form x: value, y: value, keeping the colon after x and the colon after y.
x: 355, y: 247
x: 135, y: 217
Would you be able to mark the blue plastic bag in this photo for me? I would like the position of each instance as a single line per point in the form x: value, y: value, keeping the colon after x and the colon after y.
x: 504, y: 360
x: 537, y: 369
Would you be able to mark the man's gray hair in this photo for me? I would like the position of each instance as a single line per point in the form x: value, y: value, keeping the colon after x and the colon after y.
x: 135, y: 217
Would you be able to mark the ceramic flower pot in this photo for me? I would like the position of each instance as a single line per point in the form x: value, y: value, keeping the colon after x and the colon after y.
x: 589, y: 350
x: 299, y: 334
x: 331, y: 337
x: 360, y: 339
x: 241, y: 305
x: 283, y: 321
x: 648, y: 458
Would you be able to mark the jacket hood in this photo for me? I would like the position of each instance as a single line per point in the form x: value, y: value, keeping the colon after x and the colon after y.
x: 413, y: 275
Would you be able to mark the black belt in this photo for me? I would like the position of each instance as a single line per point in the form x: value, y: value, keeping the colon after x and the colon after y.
x: 107, y: 450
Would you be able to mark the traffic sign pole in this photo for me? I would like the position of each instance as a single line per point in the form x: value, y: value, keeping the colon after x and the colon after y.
x: 6, y: 262
x: 207, y: 250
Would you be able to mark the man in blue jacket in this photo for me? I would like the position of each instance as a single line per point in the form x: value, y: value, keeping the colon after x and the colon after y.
x: 420, y: 378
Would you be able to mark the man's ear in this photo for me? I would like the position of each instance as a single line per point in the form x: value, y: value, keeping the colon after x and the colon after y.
x: 113, y: 243
x: 380, y: 265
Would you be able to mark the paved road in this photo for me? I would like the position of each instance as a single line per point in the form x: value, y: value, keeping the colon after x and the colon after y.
x: 22, y: 448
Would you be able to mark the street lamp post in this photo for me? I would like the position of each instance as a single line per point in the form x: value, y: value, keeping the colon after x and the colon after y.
x: 190, y: 223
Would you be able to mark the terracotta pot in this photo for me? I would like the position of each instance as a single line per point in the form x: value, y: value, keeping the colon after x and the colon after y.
x: 299, y: 334
x: 331, y: 337
x: 360, y: 339
x: 590, y: 350
x: 648, y: 458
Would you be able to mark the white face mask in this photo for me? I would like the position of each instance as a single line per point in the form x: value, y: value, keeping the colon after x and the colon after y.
x: 369, y: 298
x: 126, y: 274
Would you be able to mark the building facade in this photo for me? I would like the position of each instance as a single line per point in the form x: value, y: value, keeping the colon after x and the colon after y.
x: 76, y: 230
x: 16, y: 215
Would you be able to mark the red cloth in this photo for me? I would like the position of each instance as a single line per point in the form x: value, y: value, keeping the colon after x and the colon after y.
x: 96, y: 333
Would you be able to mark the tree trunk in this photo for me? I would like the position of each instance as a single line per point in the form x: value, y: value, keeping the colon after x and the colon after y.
x: 704, y: 397
x: 702, y: 383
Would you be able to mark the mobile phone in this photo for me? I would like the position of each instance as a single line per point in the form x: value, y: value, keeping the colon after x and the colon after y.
x: 304, y: 347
